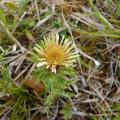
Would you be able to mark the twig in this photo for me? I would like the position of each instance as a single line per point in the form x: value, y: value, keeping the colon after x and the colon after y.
x: 37, y: 10
x: 44, y: 20
x: 56, y: 112
x: 1, y: 49
x: 22, y: 72
x: 75, y: 46
x: 29, y: 72
x: 97, y: 63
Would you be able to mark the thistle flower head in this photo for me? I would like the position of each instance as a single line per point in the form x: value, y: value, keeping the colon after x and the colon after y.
x: 55, y: 52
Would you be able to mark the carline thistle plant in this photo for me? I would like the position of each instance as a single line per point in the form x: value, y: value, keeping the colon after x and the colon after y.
x: 55, y: 51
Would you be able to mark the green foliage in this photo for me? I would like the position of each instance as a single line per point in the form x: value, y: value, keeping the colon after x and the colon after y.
x: 12, y: 7
x: 116, y: 107
x: 109, y: 4
x: 67, y: 111
x: 2, y: 16
x: 5, y: 81
x: 8, y: 13
x: 19, y: 96
x: 56, y: 24
x: 96, y: 118
x: 57, y: 84
x: 22, y: 101
x: 98, y: 14
x: 117, y: 118
x: 27, y: 23
x: 117, y: 12
x: 23, y: 3
x: 19, y: 107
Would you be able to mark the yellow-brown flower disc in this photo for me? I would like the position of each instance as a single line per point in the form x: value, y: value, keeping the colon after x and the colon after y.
x: 55, y: 52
